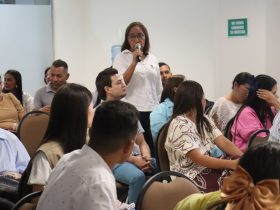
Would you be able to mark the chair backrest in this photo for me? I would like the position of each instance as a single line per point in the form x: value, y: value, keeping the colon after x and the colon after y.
x: 161, y: 153
x: 227, y: 132
x: 32, y: 129
x: 25, y: 202
x: 254, y: 139
x: 209, y: 106
x: 162, y: 192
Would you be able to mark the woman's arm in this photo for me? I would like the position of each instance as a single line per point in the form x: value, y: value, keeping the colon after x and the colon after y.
x: 227, y: 146
x: 130, y: 70
x: 6, y: 125
x: 18, y: 106
x: 37, y: 188
x: 196, y: 156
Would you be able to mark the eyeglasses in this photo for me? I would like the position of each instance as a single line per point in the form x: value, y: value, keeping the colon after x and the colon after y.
x: 138, y: 36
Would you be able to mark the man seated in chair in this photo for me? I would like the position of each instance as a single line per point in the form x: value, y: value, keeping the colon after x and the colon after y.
x: 57, y: 76
x: 111, y: 87
x: 83, y: 178
x: 13, y: 155
x: 13, y: 161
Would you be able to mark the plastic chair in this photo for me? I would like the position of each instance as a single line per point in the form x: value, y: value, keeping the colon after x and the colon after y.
x: 254, y: 139
x: 161, y: 153
x: 162, y: 192
x: 25, y: 202
x: 227, y: 132
x: 32, y: 129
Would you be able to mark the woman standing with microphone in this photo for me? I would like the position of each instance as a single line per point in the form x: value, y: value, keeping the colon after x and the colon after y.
x: 141, y: 74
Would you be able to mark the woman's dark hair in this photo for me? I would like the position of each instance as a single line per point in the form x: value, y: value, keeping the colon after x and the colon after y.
x: 18, y: 89
x: 69, y: 117
x: 126, y: 46
x: 243, y: 78
x: 262, y: 161
x: 168, y: 90
x: 45, y: 74
x: 188, y: 97
x: 260, y: 106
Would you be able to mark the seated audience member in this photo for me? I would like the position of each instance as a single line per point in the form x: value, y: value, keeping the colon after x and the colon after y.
x: 165, y: 72
x: 13, y: 155
x: 11, y: 111
x: 190, y: 137
x: 111, y: 87
x: 83, y: 179
x: 47, y: 75
x: 257, y: 112
x: 66, y: 132
x: 57, y: 76
x: 275, y: 129
x: 226, y: 107
x: 163, y: 112
x: 13, y: 84
x: 254, y: 185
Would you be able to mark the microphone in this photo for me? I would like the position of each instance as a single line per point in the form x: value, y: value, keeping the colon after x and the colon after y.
x: 138, y: 46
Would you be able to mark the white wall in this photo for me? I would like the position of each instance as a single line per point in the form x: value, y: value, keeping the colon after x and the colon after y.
x: 239, y: 54
x: 26, y: 42
x: 181, y: 36
x: 190, y: 35
x: 273, y: 39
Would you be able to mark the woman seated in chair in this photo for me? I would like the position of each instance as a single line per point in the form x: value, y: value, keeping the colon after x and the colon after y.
x: 71, y: 114
x: 13, y: 84
x: 254, y: 185
x: 257, y: 112
x: 11, y: 111
x: 191, y: 135
x: 163, y: 112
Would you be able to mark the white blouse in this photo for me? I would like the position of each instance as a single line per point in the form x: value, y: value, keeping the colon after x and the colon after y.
x: 223, y: 111
x: 182, y: 137
x: 145, y: 87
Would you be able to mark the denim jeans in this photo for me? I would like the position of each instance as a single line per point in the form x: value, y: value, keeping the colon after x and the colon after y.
x: 131, y: 175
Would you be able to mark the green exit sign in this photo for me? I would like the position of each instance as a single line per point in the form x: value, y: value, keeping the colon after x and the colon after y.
x: 238, y: 27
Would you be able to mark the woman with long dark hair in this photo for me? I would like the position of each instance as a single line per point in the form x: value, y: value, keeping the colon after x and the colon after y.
x: 71, y: 114
x: 13, y: 84
x: 257, y: 112
x: 190, y: 137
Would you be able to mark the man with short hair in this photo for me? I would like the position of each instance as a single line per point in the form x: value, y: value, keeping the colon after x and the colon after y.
x: 111, y: 87
x: 165, y: 72
x: 57, y: 75
x: 83, y: 178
